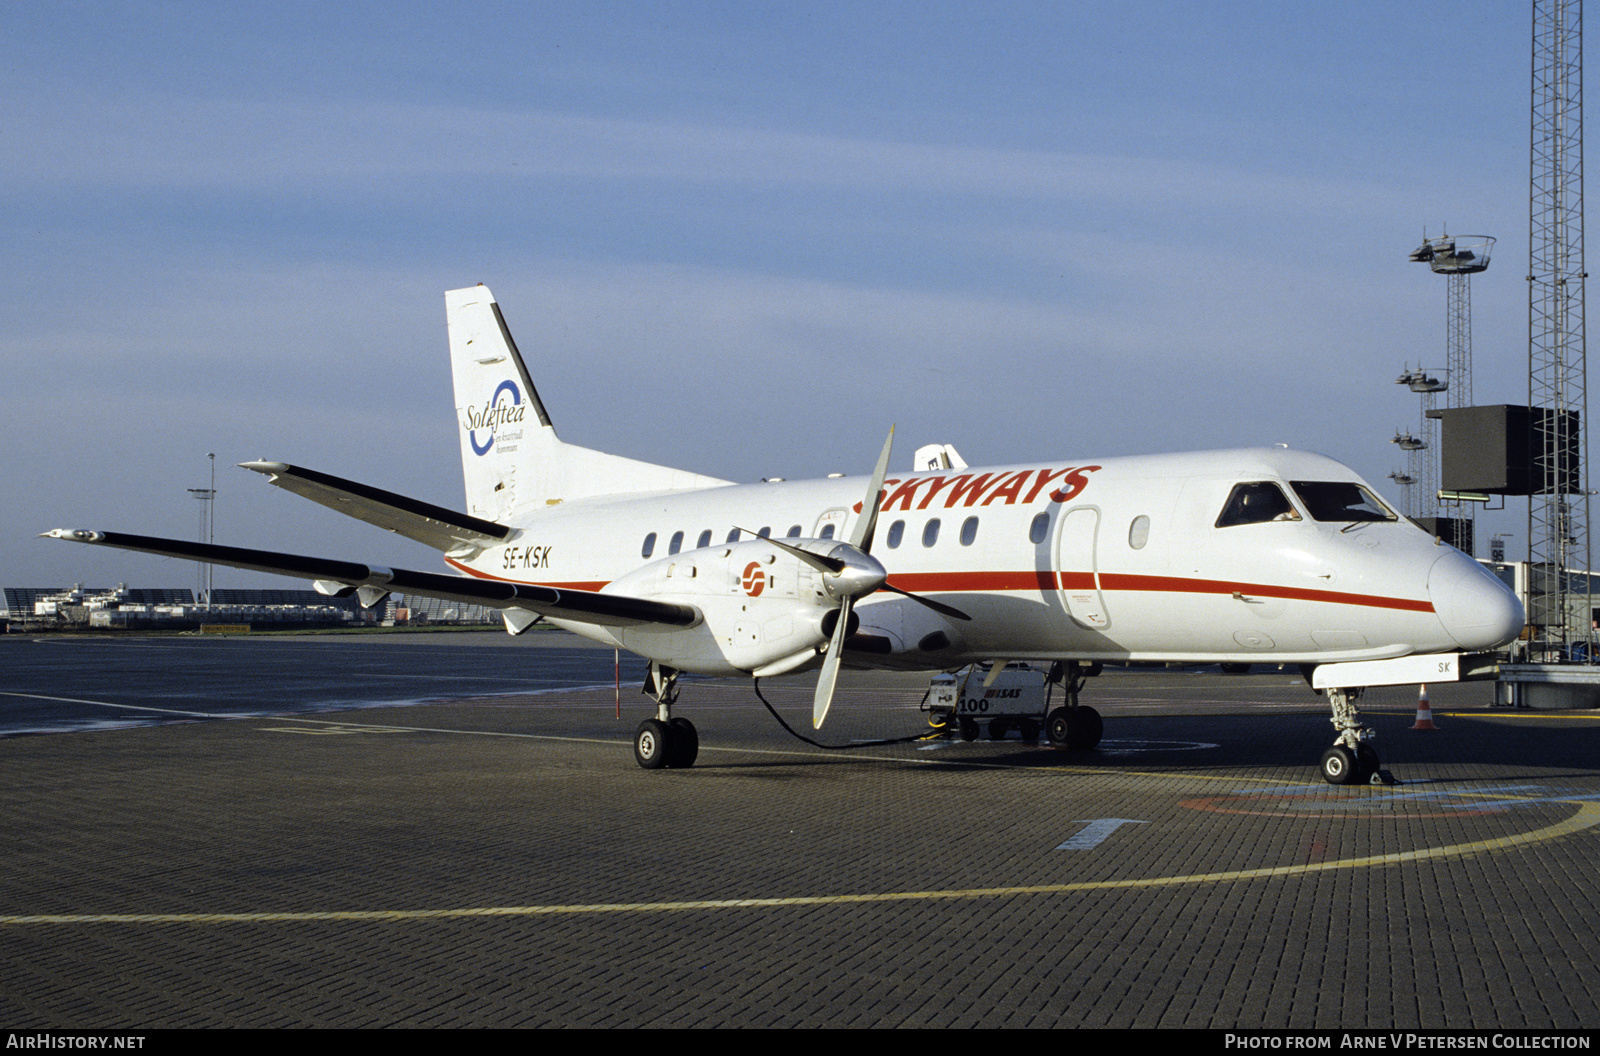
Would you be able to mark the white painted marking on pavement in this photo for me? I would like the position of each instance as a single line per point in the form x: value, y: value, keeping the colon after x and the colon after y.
x: 1096, y: 832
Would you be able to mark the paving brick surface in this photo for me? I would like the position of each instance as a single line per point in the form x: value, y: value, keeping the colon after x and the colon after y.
x: 957, y: 909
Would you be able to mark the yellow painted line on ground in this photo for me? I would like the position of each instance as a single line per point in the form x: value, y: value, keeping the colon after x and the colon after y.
x: 1587, y: 816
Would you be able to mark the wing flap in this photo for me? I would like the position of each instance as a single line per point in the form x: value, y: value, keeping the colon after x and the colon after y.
x: 582, y: 606
x: 428, y: 524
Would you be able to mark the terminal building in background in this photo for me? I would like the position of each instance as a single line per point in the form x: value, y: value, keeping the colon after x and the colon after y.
x: 170, y: 608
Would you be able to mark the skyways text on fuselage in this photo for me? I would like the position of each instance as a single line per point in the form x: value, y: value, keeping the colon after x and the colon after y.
x: 983, y: 489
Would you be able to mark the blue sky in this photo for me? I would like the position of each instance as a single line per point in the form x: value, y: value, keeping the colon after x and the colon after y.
x: 742, y: 238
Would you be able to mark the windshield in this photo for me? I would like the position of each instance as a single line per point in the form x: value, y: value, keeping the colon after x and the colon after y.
x: 1341, y: 500
x: 1256, y: 503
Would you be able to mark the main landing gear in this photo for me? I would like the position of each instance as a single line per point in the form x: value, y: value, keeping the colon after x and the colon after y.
x: 664, y: 740
x: 1352, y: 760
x: 1073, y: 725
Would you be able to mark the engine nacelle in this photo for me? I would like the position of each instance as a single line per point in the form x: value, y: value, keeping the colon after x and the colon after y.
x: 765, y: 611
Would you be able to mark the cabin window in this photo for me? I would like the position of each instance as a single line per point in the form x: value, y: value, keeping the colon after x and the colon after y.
x: 793, y: 532
x: 1039, y: 528
x: 969, y: 531
x: 704, y: 540
x: 827, y: 531
x: 930, y: 532
x: 1139, y: 532
x: 1256, y: 503
x: 649, y: 545
x: 897, y: 531
x: 1341, y: 500
x: 676, y: 543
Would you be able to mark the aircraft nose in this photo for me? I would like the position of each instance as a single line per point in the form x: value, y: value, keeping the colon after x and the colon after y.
x: 1477, y: 610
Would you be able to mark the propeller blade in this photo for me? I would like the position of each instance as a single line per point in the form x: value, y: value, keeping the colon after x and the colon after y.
x: 816, y: 561
x: 937, y: 606
x: 861, y: 534
x: 829, y: 675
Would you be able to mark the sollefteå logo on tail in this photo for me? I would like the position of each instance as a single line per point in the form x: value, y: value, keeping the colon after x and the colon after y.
x: 492, y: 415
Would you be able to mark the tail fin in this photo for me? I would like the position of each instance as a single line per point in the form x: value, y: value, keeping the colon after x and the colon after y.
x: 510, y: 454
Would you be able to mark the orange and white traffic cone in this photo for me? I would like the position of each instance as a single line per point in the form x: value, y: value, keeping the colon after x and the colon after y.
x: 1424, y: 716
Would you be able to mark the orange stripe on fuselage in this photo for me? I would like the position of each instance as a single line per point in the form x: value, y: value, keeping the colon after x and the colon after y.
x: 949, y: 582
x: 1178, y: 585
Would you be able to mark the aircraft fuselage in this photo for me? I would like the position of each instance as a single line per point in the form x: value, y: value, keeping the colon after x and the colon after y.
x: 1109, y: 559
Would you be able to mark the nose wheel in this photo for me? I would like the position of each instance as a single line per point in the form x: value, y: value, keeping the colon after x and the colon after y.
x: 1352, y: 760
x: 1339, y: 766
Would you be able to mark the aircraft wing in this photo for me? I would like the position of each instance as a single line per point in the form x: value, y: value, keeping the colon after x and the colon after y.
x: 335, y: 577
x: 431, y: 525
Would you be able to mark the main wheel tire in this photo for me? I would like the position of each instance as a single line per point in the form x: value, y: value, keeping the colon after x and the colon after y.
x: 1340, y: 767
x: 683, y: 744
x: 1058, y: 727
x: 650, y: 743
x: 1087, y: 727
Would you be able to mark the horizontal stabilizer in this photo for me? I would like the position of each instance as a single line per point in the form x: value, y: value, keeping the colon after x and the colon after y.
x: 582, y: 606
x: 431, y: 525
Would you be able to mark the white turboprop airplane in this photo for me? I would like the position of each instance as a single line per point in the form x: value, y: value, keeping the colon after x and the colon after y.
x: 1246, y: 556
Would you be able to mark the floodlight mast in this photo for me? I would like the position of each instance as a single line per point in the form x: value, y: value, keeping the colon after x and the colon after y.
x: 1423, y: 450
x: 1407, y: 479
x: 1458, y: 258
x: 1560, y: 594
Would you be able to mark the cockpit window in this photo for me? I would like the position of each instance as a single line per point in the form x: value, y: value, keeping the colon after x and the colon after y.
x: 1256, y: 503
x: 1341, y: 500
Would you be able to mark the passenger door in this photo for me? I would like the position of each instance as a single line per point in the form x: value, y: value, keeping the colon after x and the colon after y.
x: 1075, y: 563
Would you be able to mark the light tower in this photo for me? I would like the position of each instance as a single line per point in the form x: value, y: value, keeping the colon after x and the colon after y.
x: 1458, y: 258
x: 1407, y: 479
x: 1558, y: 508
x: 207, y: 533
x: 1424, y: 449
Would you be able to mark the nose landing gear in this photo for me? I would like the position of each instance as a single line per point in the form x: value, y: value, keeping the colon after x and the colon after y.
x: 1352, y: 760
